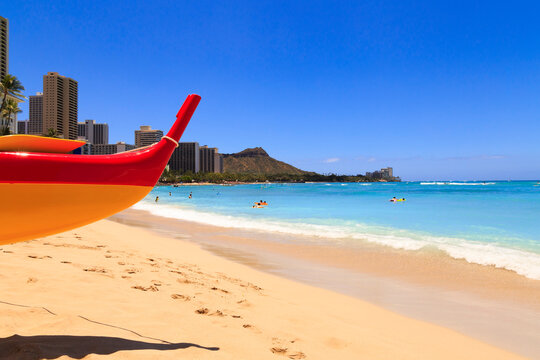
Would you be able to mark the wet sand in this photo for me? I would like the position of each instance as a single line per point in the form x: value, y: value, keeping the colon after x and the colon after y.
x: 128, y: 293
x: 495, y: 305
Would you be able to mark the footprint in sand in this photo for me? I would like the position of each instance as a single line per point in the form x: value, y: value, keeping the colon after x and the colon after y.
x: 224, y: 291
x: 96, y: 269
x: 65, y: 262
x: 31, y: 280
x: 180, y: 297
x: 244, y: 303
x: 150, y: 288
x: 217, y: 313
x: 278, y: 350
x: 202, y: 311
x: 297, y: 355
x: 185, y: 281
x: 39, y: 257
x: 283, y: 351
x: 252, y: 328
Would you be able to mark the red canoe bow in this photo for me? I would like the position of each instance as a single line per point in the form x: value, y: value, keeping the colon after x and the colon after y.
x: 44, y: 194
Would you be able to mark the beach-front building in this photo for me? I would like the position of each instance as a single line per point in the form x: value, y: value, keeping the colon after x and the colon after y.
x: 60, y: 105
x: 4, y: 47
x: 92, y: 132
x: 109, y: 149
x: 190, y: 157
x: 35, y: 114
x: 146, y: 136
x: 385, y: 173
x: 22, y: 126
x: 210, y: 160
x: 4, y: 69
x: 185, y: 158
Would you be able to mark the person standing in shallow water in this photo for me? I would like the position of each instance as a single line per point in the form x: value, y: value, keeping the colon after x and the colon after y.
x: 190, y: 195
x: 157, y: 198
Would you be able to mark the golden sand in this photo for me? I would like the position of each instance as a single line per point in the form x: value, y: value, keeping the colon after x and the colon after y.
x: 111, y: 289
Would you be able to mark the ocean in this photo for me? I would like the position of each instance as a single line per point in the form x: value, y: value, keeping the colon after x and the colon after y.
x: 489, y: 223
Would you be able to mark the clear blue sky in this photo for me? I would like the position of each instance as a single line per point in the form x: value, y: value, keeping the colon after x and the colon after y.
x: 436, y: 89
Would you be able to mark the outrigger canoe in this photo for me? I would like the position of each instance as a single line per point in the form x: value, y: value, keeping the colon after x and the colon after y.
x: 48, y: 192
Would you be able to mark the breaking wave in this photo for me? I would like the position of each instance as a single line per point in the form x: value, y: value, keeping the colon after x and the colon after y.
x: 522, y: 262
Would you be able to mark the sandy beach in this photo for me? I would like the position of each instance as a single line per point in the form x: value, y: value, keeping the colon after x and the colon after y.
x: 114, y: 290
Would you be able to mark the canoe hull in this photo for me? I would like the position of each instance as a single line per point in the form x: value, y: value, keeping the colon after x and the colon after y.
x: 37, y: 210
x: 43, y: 194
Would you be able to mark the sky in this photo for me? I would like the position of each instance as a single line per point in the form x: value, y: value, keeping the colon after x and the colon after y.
x: 439, y: 90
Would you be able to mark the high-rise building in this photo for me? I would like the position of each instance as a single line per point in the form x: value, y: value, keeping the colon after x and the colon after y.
x: 35, y: 110
x: 108, y: 149
x: 147, y: 136
x: 218, y: 163
x: 94, y: 133
x: 4, y: 47
x: 22, y: 126
x: 210, y: 160
x: 185, y: 158
x: 60, y: 97
x: 387, y: 172
x: 384, y: 173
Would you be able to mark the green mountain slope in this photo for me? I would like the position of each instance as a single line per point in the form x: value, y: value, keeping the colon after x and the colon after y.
x: 257, y: 161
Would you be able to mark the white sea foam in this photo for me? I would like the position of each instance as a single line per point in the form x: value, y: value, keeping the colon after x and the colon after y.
x: 457, y: 183
x: 522, y: 262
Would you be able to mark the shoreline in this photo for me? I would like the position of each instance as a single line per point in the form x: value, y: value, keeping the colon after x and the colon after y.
x: 473, y: 297
x: 118, y: 290
x: 232, y: 183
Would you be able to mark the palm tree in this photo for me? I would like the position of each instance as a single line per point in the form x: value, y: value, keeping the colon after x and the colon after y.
x: 11, y: 86
x: 11, y: 107
x: 51, y: 132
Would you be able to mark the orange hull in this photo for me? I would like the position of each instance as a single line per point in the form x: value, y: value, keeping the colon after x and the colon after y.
x: 47, y: 209
x: 32, y: 143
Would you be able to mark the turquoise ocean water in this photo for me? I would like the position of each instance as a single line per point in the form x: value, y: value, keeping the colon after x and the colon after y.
x: 488, y: 223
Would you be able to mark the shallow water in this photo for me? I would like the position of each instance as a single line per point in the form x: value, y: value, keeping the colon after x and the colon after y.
x: 489, y: 223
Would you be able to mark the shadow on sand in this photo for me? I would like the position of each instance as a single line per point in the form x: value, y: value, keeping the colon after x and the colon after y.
x: 55, y: 346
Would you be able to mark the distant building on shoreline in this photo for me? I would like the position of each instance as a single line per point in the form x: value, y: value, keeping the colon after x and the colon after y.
x: 190, y: 157
x: 35, y: 114
x: 60, y: 105
x: 92, y: 132
x: 210, y: 160
x: 385, y: 173
x: 4, y: 47
x: 185, y: 158
x: 146, y: 136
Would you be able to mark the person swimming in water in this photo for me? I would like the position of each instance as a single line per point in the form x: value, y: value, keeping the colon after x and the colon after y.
x: 394, y: 199
x: 190, y: 195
